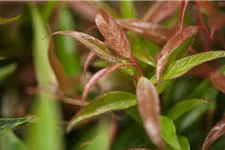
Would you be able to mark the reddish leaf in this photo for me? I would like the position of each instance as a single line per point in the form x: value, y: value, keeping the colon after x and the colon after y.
x: 90, y: 57
x: 184, y: 4
x: 216, y: 21
x: 154, y: 32
x: 217, y: 131
x: 94, y: 79
x: 113, y: 34
x: 149, y: 108
x: 218, y: 81
x: 160, y: 10
x: 172, y: 44
x: 208, y: 6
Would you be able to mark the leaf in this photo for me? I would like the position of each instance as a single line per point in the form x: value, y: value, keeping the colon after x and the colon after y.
x: 173, y: 43
x: 208, y: 6
x: 184, y: 4
x: 218, y: 81
x: 216, y: 21
x: 90, y: 57
x: 109, y: 102
x: 10, y: 123
x: 161, y: 10
x: 8, y: 20
x: 94, y: 79
x: 127, y: 9
x: 169, y: 132
x: 144, y: 57
x: 184, y: 143
x: 113, y: 34
x: 154, y: 32
x: 6, y: 71
x: 182, y: 107
x: 149, y: 108
x: 9, y: 141
x: 58, y: 69
x: 217, y: 131
x: 180, y: 67
x: 100, y: 49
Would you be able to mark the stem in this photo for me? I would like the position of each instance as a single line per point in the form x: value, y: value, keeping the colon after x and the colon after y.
x: 135, y: 65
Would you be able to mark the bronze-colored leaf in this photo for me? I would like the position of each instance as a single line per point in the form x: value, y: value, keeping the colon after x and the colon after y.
x: 172, y: 44
x: 149, y: 108
x: 154, y: 32
x: 184, y: 4
x: 57, y: 68
x: 90, y: 57
x: 218, y: 81
x: 217, y: 131
x: 161, y: 10
x: 94, y: 79
x: 209, y: 7
x: 113, y: 34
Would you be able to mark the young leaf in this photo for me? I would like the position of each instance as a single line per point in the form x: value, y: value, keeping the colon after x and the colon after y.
x: 169, y: 132
x: 145, y: 57
x: 218, y: 81
x: 109, y: 102
x: 149, y: 108
x: 94, y: 79
x: 91, y: 55
x: 154, y: 32
x: 180, y: 67
x: 161, y: 10
x: 10, y: 123
x: 8, y: 20
x: 100, y: 49
x: 184, y: 4
x: 217, y: 131
x: 113, y: 34
x: 182, y: 107
x: 173, y: 44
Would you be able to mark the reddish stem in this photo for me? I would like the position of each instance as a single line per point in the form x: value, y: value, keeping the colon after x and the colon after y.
x: 135, y: 65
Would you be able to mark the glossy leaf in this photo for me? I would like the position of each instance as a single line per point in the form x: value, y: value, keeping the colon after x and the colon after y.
x: 113, y: 34
x: 154, y: 32
x: 10, y: 123
x: 184, y: 4
x: 149, y: 108
x: 161, y: 10
x: 180, y: 67
x: 173, y: 44
x: 8, y: 20
x: 218, y: 81
x: 90, y: 57
x: 6, y: 71
x: 109, y: 102
x: 144, y: 57
x: 94, y: 79
x: 169, y: 132
x: 9, y: 141
x: 182, y: 107
x: 100, y: 49
x: 217, y: 131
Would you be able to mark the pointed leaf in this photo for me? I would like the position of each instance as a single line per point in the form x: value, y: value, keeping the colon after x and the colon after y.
x: 182, y: 66
x: 154, y: 32
x: 182, y: 107
x: 145, y: 57
x: 149, y: 108
x: 109, y: 102
x: 94, y: 79
x: 8, y: 20
x: 90, y: 57
x: 10, y: 123
x: 184, y: 4
x: 173, y: 44
x: 161, y: 10
x: 217, y: 131
x: 100, y: 49
x: 169, y: 132
x: 184, y: 143
x: 218, y: 81
x: 113, y: 34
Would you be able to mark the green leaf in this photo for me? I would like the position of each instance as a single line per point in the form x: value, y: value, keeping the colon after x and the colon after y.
x: 144, y: 57
x: 169, y: 132
x: 127, y: 9
x: 8, y: 20
x: 180, y: 67
x: 6, y: 71
x: 10, y: 123
x: 184, y: 143
x: 65, y: 46
x: 109, y: 102
x: 182, y: 107
x: 46, y: 133
x: 9, y: 141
